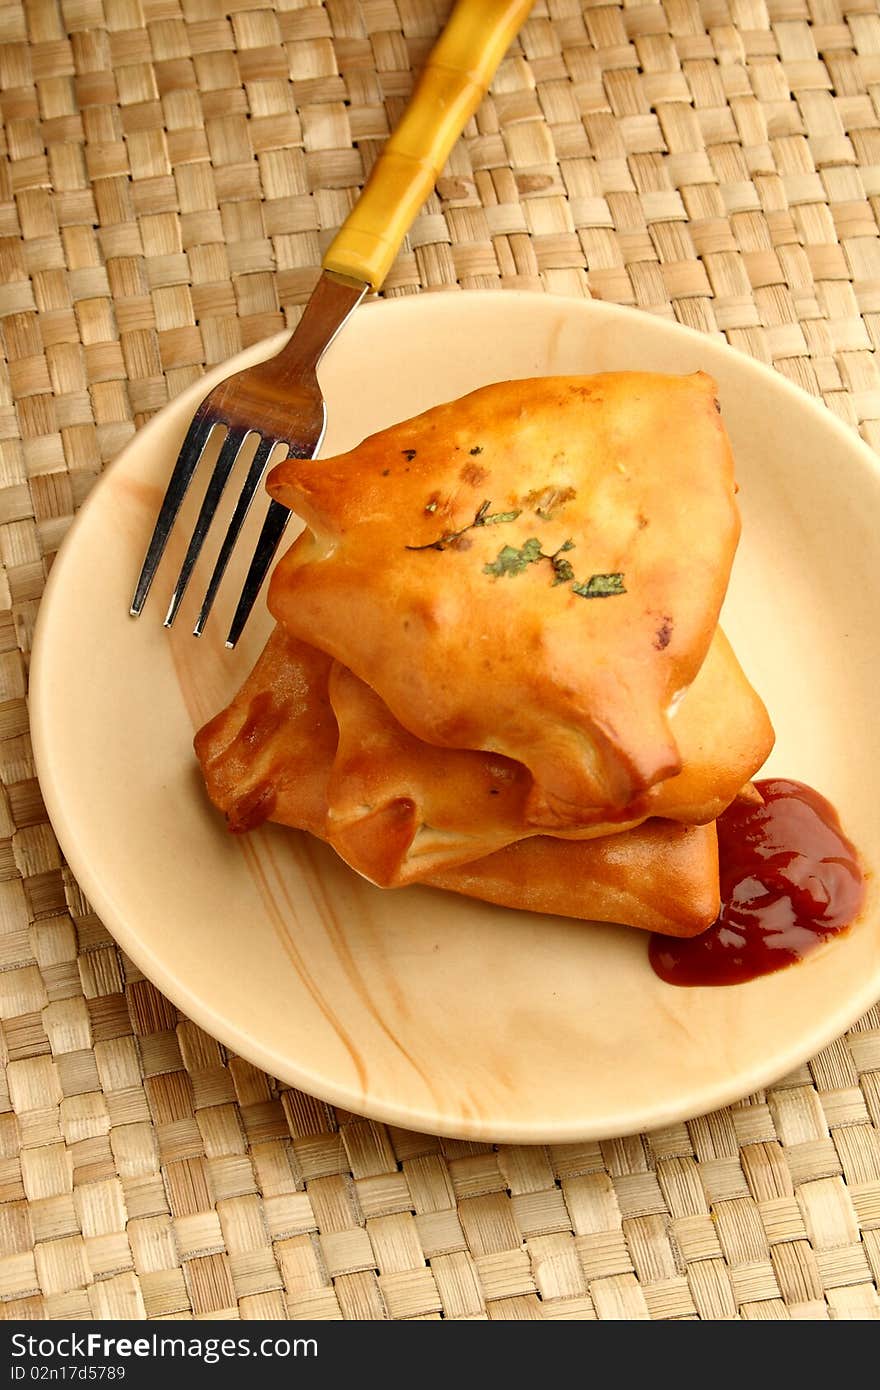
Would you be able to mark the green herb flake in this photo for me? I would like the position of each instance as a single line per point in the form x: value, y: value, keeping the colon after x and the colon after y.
x: 562, y: 570
x: 600, y: 586
x: 511, y: 561
x: 477, y: 449
x: 482, y: 517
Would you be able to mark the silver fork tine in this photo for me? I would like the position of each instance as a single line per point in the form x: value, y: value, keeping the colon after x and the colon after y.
x: 187, y: 460
x: 277, y: 518
x: 242, y: 507
x: 213, y: 492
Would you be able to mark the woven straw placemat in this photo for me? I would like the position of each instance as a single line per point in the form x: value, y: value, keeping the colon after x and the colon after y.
x: 171, y: 172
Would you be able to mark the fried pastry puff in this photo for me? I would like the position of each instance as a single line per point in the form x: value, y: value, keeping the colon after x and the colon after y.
x: 268, y: 755
x: 397, y: 809
x: 659, y: 877
x: 534, y: 570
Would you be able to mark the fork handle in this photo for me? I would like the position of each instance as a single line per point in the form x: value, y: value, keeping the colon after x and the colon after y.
x: 455, y: 79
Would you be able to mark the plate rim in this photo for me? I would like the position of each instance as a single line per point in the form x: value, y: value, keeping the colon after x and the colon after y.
x: 191, y: 1003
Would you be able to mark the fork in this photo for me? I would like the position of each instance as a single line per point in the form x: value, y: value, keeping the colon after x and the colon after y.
x: 279, y: 401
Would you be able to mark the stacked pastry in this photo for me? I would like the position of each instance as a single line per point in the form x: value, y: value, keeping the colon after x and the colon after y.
x: 497, y: 666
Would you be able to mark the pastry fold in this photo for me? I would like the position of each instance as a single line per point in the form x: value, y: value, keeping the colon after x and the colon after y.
x: 269, y: 756
x: 535, y: 570
x: 399, y: 809
x: 497, y: 667
x: 659, y: 877
x: 307, y: 744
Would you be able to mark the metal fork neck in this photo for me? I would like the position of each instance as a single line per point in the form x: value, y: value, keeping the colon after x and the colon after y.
x: 333, y: 299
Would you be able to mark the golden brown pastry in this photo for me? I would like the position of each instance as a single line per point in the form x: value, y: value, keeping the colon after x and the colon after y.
x: 398, y: 809
x: 497, y: 668
x: 535, y: 570
x: 659, y: 877
x: 724, y: 735
x: 268, y: 755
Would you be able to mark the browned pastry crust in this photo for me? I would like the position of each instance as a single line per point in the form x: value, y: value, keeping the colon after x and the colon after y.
x: 267, y: 756
x: 497, y: 668
x: 398, y: 809
x: 634, y: 469
x: 659, y: 877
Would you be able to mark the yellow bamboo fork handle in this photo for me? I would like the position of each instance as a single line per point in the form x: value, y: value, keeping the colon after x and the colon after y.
x: 458, y: 72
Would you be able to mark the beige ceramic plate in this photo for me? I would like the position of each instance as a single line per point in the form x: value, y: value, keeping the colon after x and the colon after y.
x: 416, y: 1007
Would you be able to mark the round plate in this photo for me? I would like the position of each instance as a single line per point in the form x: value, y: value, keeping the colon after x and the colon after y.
x: 414, y: 1006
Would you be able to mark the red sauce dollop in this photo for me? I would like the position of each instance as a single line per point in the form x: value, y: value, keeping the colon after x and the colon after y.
x: 789, y: 879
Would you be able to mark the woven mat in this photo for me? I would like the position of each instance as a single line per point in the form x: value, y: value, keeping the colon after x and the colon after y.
x: 172, y: 171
